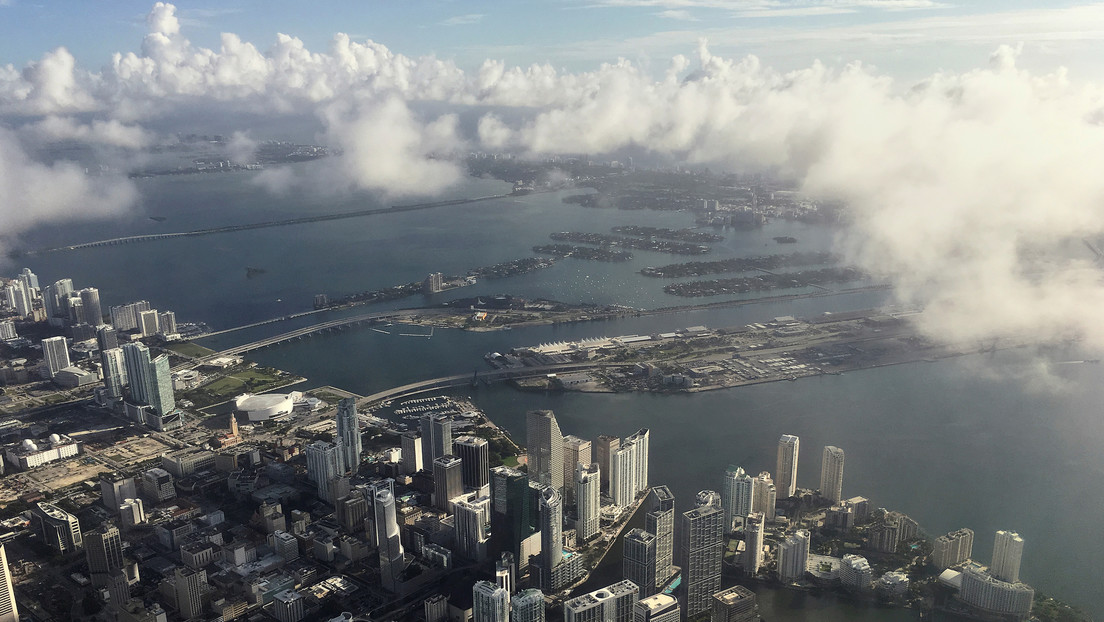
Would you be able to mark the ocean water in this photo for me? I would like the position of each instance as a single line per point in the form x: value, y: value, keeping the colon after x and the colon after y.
x: 976, y: 442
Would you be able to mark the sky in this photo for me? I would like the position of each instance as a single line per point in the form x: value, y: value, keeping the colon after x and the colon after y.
x: 963, y: 137
x: 905, y: 38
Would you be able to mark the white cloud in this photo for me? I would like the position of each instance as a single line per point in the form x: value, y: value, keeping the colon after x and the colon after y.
x: 677, y: 14
x: 463, y: 20
x: 32, y: 193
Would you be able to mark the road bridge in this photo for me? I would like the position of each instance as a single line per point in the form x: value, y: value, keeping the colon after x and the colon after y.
x: 497, y: 375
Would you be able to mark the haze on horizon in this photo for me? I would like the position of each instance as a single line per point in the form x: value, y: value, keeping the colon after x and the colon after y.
x: 970, y: 188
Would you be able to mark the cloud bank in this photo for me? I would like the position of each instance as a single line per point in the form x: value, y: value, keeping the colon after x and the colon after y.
x: 965, y: 190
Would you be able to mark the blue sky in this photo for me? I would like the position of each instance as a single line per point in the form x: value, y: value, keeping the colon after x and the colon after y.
x: 906, y: 38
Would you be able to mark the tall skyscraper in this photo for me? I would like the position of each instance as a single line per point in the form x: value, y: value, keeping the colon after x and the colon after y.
x: 490, y: 603
x: 544, y: 448
x: 448, y: 480
x: 614, y: 603
x: 527, y: 606
x: 506, y: 573
x: 411, y: 447
x: 472, y: 522
x: 588, y: 501
x: 391, y: 557
x: 104, y: 548
x: 125, y: 317
x: 952, y: 548
x: 149, y: 322
x: 793, y: 556
x: 1007, y: 551
x: 161, y: 392
x: 551, y: 528
x: 736, y: 495
x: 629, y: 464
x: 735, y: 604
x: 131, y: 512
x: 114, y: 372
x: 53, y: 300
x: 475, y: 460
x: 348, y: 435
x: 55, y: 352
x: 166, y: 323
x: 29, y: 279
x: 831, y: 474
x: 514, y: 512
x: 788, y: 450
x: 93, y: 312
x: 702, y: 549
x: 189, y: 585
x: 764, y: 495
x: 60, y: 529
x: 114, y: 489
x: 323, y: 465
x: 660, y: 520
x: 19, y: 298
x: 753, y: 543
x: 436, y: 437
x: 9, y: 611
x: 575, y: 451
x: 603, y: 449
x: 106, y: 337
x: 139, y: 373
x: 638, y: 561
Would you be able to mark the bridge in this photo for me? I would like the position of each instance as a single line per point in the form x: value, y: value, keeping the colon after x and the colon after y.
x: 486, y: 377
x: 132, y: 239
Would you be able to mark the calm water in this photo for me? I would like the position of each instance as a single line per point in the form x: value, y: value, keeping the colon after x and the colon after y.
x: 964, y: 443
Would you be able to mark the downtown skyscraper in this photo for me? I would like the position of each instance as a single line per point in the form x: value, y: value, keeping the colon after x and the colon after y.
x: 831, y: 474
x: 544, y: 446
x: 786, y: 473
x: 348, y: 435
x: 391, y: 556
x: 736, y: 495
x: 629, y: 468
x: 702, y: 551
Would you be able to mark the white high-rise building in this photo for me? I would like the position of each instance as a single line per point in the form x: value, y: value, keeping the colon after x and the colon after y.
x: 55, y: 352
x: 1008, y: 600
x: 323, y: 465
x: 657, y: 608
x: 588, y: 501
x: 19, y: 298
x: 629, y: 468
x: 614, y: 603
x: 348, y: 435
x: 490, y: 603
x: 551, y: 533
x: 855, y: 572
x: 702, y: 551
x: 391, y: 556
x: 93, y: 312
x: 136, y: 357
x: 736, y: 495
x: 952, y: 548
x: 788, y: 450
x: 114, y: 371
x: 544, y: 446
x: 29, y: 279
x: 527, y: 606
x: 831, y: 474
x: 166, y: 323
x: 132, y: 512
x: 753, y: 543
x: 149, y: 322
x: 764, y: 495
x: 1007, y: 551
x: 472, y: 519
x: 576, y: 451
x: 9, y: 611
x: 793, y: 556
